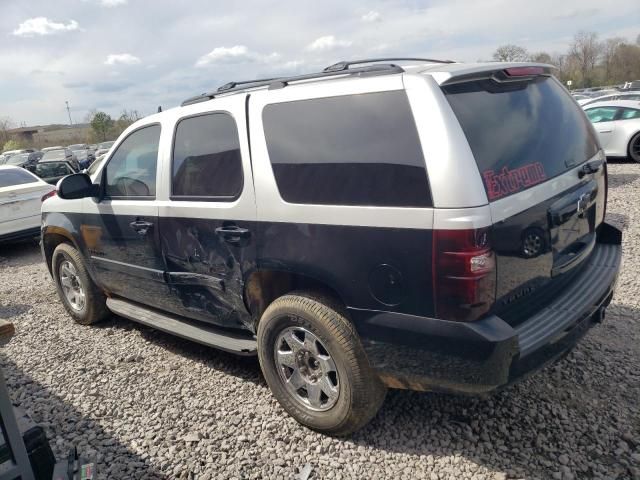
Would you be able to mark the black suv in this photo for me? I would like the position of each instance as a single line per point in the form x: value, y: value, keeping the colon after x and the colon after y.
x: 438, y: 226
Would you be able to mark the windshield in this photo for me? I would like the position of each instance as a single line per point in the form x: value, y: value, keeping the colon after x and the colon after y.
x: 54, y: 155
x: 523, y: 133
x: 95, y: 165
x: 52, y: 169
x: 106, y: 145
x: 77, y: 146
x: 80, y: 154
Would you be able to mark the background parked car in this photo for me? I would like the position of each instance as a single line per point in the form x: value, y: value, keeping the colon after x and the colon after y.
x: 53, y: 170
x: 85, y: 158
x: 618, y: 125
x: 103, y: 148
x: 21, y: 194
x: 614, y: 96
x: 48, y: 149
x: 62, y: 154
x: 23, y: 160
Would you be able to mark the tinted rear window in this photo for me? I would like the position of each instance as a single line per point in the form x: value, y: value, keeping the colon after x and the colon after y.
x: 206, y: 158
x: 12, y: 176
x: 521, y: 134
x: 347, y: 150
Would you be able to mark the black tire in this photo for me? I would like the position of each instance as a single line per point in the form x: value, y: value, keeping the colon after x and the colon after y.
x: 633, y: 150
x: 360, y: 392
x: 94, y: 308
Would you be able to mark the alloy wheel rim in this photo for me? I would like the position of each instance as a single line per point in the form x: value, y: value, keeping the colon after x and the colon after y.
x: 72, y: 286
x: 307, y: 369
x: 532, y: 244
x: 635, y: 149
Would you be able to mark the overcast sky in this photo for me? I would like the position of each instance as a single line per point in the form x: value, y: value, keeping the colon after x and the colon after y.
x: 138, y: 54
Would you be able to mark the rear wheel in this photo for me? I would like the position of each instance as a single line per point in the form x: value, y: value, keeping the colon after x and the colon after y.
x: 634, y: 148
x: 313, y: 362
x: 82, y: 299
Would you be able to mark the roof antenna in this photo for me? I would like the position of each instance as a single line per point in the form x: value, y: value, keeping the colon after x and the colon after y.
x: 159, y: 108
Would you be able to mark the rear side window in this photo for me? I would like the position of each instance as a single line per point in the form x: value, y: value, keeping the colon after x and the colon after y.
x: 206, y: 158
x: 11, y: 177
x: 347, y: 150
x: 522, y: 133
x: 131, y: 171
x: 629, y: 113
x: 602, y: 114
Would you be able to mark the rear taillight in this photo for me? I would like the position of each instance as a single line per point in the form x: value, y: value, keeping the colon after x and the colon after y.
x: 464, y: 274
x: 52, y: 193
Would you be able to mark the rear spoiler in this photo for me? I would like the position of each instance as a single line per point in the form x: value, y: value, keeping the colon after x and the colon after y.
x: 499, y: 72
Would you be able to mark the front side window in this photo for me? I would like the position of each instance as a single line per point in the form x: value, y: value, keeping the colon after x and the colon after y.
x: 629, y: 113
x: 347, y: 150
x: 131, y: 171
x: 206, y: 158
x: 602, y: 114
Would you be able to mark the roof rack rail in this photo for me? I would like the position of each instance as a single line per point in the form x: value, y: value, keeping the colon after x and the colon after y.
x: 232, y: 85
x: 344, y: 65
x: 372, y: 69
x: 281, y: 82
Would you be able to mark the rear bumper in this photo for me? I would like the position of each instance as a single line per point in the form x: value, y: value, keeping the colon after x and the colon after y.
x: 421, y: 353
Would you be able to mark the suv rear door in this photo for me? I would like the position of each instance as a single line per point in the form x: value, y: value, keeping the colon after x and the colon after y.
x: 531, y: 141
x: 208, y: 213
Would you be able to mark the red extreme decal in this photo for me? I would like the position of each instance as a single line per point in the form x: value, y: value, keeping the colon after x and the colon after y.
x: 508, y: 181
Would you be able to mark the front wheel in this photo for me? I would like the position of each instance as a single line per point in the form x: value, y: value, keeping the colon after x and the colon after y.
x: 634, y: 148
x: 314, y: 364
x: 82, y: 299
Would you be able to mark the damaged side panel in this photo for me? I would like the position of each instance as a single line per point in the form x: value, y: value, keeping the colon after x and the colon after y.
x: 205, y: 268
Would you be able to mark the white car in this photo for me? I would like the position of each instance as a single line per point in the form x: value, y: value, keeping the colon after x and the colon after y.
x: 618, y: 125
x: 614, y: 96
x: 21, y: 196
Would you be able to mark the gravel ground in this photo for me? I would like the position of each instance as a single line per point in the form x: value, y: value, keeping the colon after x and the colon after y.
x: 147, y: 405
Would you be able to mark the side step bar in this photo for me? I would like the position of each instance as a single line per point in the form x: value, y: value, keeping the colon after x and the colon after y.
x: 191, y: 330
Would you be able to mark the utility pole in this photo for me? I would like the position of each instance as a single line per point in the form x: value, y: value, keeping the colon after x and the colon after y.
x: 69, y: 112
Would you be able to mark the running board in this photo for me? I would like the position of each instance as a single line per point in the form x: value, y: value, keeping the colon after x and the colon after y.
x: 191, y: 330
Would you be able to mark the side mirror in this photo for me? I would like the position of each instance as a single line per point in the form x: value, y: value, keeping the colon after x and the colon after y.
x: 77, y: 185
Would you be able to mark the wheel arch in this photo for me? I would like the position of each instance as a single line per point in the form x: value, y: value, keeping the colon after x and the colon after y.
x: 263, y: 286
x: 631, y: 137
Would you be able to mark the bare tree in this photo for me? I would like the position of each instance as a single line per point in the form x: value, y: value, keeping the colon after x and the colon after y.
x: 586, y: 50
x: 511, y: 53
x: 541, y: 57
x: 610, y: 49
x: 6, y: 124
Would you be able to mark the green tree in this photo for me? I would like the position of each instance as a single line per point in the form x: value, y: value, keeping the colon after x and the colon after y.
x: 101, y: 124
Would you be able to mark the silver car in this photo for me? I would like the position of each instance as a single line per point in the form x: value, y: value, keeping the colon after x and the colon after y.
x: 614, y: 96
x: 618, y: 125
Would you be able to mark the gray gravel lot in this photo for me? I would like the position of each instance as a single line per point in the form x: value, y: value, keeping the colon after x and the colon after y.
x: 147, y: 405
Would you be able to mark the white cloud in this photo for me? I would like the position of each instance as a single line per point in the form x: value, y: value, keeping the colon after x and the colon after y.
x: 121, y: 59
x: 328, y: 42
x: 112, y: 3
x: 44, y: 26
x: 372, y: 16
x: 235, y: 54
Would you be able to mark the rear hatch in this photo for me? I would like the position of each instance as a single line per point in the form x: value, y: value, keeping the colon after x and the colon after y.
x: 545, y: 179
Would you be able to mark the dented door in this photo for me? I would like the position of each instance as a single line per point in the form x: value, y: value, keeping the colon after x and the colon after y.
x: 208, y: 222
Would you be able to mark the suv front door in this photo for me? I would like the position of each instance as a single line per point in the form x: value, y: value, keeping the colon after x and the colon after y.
x: 208, y: 215
x: 120, y: 231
